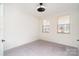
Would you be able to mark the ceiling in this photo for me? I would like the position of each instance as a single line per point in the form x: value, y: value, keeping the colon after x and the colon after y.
x: 51, y: 8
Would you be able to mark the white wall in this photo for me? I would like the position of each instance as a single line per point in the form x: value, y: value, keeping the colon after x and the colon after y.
x: 1, y: 29
x: 20, y: 27
x: 67, y: 39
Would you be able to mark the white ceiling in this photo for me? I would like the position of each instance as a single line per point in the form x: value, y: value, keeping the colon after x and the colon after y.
x: 51, y: 8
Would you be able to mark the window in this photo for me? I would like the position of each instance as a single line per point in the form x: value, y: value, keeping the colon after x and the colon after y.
x: 46, y: 26
x: 63, y: 24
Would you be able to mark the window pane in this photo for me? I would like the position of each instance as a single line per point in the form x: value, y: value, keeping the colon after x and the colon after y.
x: 63, y: 24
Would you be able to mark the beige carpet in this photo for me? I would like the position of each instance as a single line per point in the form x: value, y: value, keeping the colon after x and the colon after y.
x: 42, y: 48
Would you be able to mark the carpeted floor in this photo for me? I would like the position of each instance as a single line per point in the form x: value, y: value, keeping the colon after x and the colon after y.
x: 42, y: 48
